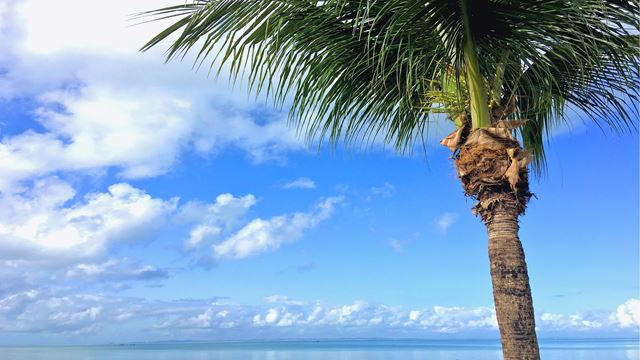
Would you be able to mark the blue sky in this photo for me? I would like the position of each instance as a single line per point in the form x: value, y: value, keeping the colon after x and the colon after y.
x: 142, y: 201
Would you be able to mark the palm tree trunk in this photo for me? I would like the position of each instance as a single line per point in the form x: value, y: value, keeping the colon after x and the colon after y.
x: 493, y: 169
x: 511, y: 290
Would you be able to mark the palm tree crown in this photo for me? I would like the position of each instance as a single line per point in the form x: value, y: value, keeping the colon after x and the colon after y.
x: 368, y: 68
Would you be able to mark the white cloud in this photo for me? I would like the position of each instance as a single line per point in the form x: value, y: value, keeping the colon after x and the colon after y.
x: 628, y: 314
x: 288, y: 319
x: 262, y: 235
x: 43, y: 311
x: 209, y: 318
x: 300, y: 183
x: 414, y: 315
x: 280, y: 299
x: 115, y: 270
x: 36, y: 311
x: 269, y: 318
x: 577, y: 321
x: 104, y: 105
x: 38, y: 225
x: 46, y: 224
x: 16, y: 302
x: 453, y: 319
x: 99, y: 128
x: 625, y: 316
x: 445, y: 221
x: 106, y: 33
x: 344, y: 313
x: 362, y: 315
x: 211, y: 219
x: 105, y: 126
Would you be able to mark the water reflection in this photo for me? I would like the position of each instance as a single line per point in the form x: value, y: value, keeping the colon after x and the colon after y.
x: 327, y: 350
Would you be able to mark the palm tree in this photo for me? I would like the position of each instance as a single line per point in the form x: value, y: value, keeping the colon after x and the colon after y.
x: 503, y: 71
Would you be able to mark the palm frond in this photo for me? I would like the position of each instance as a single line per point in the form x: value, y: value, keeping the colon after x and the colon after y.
x: 353, y: 69
x: 567, y: 57
x: 361, y: 69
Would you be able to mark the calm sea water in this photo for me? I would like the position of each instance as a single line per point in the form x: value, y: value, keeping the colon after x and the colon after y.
x: 619, y: 349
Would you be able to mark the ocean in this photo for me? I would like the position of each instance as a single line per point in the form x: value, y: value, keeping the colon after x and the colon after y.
x: 583, y: 349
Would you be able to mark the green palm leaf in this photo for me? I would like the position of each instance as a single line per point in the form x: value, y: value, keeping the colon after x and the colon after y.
x: 359, y: 70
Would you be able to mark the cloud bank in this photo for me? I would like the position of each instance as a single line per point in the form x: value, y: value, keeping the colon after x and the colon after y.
x: 279, y: 316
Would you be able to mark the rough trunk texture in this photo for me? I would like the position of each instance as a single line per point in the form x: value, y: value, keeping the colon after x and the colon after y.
x: 511, y: 291
x: 493, y: 170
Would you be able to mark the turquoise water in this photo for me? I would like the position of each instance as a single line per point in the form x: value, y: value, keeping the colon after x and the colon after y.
x: 328, y: 349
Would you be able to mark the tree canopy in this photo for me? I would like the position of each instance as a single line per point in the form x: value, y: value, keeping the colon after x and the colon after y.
x: 356, y: 70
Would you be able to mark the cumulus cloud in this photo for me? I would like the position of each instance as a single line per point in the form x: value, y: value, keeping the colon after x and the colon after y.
x: 452, y: 319
x: 48, y: 226
x: 627, y: 315
x: 91, y: 112
x: 575, y: 321
x: 102, y: 126
x: 261, y: 235
x: 210, y: 318
x: 270, y: 317
x: 44, y: 223
x: 300, y: 183
x: 98, y: 128
x: 445, y: 221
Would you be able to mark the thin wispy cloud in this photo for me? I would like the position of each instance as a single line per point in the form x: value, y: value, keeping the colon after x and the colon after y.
x: 210, y: 221
x: 299, y: 268
x: 262, y: 235
x: 445, y: 221
x: 115, y: 270
x: 385, y: 190
x: 397, y: 245
x: 300, y: 183
x: 341, y: 188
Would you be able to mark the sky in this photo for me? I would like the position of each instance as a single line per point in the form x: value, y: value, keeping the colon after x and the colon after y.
x: 144, y: 201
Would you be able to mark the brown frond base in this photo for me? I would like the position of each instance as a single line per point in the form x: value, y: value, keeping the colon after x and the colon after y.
x: 493, y: 168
